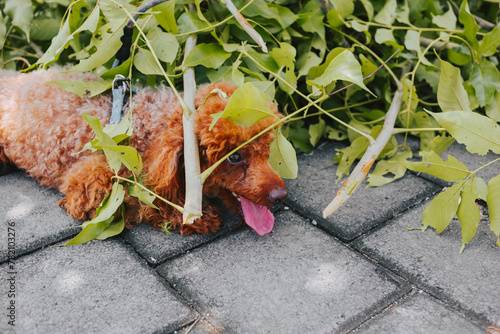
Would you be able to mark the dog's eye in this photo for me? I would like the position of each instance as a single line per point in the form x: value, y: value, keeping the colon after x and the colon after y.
x: 235, y: 158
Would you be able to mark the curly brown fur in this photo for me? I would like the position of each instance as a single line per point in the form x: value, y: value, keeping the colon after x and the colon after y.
x: 41, y: 127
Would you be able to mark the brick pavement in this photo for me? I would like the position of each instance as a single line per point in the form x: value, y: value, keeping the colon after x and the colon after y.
x: 360, y: 271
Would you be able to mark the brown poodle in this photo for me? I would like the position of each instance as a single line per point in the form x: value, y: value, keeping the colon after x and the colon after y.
x: 41, y: 127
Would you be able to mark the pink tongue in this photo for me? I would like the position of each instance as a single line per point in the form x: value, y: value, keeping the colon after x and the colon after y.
x: 257, y: 217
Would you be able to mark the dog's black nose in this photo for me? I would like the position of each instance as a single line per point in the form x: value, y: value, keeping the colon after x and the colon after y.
x: 277, y: 196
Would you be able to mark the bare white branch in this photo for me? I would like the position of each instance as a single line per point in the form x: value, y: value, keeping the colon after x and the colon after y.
x: 245, y: 25
x: 194, y: 187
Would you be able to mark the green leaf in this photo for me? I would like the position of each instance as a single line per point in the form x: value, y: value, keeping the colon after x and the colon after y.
x: 311, y: 19
x: 451, y: 93
x: 246, y: 106
x: 493, y: 200
x: 342, y: 67
x: 387, y: 14
x: 61, y: 41
x: 164, y: 45
x: 145, y: 62
x: 493, y: 109
x: 470, y: 26
x: 468, y: 212
x: 424, y: 120
x: 208, y: 55
x: 142, y: 195
x: 284, y: 55
x: 490, y: 43
x: 89, y: 232
x: 387, y: 171
x: 448, y: 20
x: 348, y: 155
x: 479, y: 133
x: 189, y: 22
x: 122, y: 130
x: 412, y: 42
x: 440, y: 143
x: 409, y: 103
x: 484, y: 78
x: 166, y: 16
x: 283, y: 158
x: 103, y: 217
x: 115, y: 228
x: 317, y: 131
x: 451, y: 170
x: 482, y: 188
x: 385, y: 36
x: 84, y: 88
x: 3, y: 30
x: 21, y: 13
x: 442, y: 209
x: 335, y: 134
x: 128, y: 155
x: 109, y: 205
x: 106, y: 47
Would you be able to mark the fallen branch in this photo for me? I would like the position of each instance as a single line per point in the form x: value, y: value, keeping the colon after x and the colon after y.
x: 363, y: 167
x: 194, y: 186
x: 245, y: 25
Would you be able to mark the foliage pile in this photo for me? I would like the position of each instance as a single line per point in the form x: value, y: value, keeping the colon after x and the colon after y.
x: 448, y: 66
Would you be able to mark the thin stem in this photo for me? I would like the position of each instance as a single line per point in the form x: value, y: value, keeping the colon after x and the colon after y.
x: 403, y: 130
x: 180, y: 209
x: 213, y: 26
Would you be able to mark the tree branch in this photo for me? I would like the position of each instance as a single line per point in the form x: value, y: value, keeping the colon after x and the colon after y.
x: 194, y: 186
x: 363, y: 167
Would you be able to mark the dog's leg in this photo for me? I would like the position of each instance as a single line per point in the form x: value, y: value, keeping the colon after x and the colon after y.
x: 85, y: 185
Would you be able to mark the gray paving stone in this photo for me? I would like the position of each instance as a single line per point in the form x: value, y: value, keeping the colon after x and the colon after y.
x: 315, y: 187
x: 33, y: 211
x: 297, y: 279
x: 156, y: 246
x: 6, y: 169
x: 419, y: 314
x: 100, y: 287
x: 467, y: 282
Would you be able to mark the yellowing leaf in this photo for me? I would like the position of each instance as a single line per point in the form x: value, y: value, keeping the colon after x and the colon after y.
x: 468, y: 212
x: 349, y: 154
x: 451, y: 93
x: 283, y: 158
x: 442, y: 209
x: 317, y: 131
x: 451, y: 170
x: 387, y: 171
x: 84, y: 88
x: 126, y: 155
x: 493, y: 200
x: 479, y: 133
x: 246, y: 106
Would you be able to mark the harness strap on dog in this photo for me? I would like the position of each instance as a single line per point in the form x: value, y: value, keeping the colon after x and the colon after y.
x: 119, y: 89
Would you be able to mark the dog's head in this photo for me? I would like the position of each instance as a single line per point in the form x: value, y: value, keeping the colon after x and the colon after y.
x: 245, y: 181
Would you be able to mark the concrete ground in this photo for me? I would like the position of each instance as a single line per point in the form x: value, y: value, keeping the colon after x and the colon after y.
x: 360, y: 271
